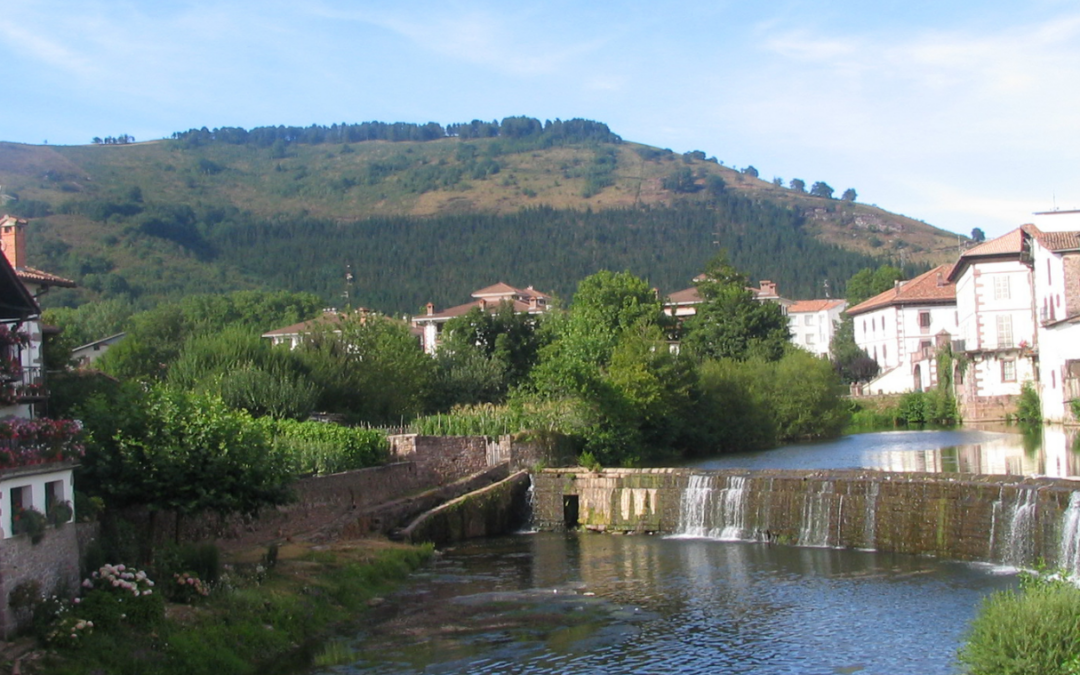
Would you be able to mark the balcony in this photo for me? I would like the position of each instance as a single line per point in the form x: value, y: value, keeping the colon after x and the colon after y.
x: 21, y: 385
x: 26, y: 442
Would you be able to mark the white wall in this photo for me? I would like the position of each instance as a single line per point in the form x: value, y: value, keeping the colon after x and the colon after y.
x: 34, y: 496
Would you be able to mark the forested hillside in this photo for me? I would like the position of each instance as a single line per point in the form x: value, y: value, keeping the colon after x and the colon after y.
x: 418, y: 213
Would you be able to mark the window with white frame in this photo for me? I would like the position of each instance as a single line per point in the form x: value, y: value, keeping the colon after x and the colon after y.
x: 1008, y: 371
x: 1001, y: 287
x: 808, y: 320
x: 924, y: 321
x: 809, y: 338
x: 1004, y: 331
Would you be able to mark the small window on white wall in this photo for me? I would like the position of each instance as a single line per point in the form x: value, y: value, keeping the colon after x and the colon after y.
x: 1008, y: 371
x: 1001, y: 287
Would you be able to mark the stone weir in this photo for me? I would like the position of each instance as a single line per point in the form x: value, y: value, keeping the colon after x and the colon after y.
x: 1002, y: 519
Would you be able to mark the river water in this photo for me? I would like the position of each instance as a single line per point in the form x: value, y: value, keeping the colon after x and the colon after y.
x: 547, y: 603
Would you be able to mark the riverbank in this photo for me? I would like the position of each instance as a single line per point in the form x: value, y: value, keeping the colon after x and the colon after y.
x: 271, y: 611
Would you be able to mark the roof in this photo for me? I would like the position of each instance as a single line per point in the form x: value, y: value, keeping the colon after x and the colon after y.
x: 16, y: 303
x: 29, y: 275
x: 518, y: 306
x: 97, y: 343
x: 1057, y: 241
x: 929, y: 288
x: 502, y: 290
x: 689, y: 296
x: 329, y: 317
x: 810, y: 306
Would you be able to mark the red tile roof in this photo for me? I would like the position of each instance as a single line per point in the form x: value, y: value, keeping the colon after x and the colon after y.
x: 328, y: 318
x: 29, y: 275
x: 689, y: 296
x: 809, y: 306
x: 929, y: 288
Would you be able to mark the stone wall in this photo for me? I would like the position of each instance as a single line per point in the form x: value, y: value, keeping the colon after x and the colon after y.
x: 1000, y: 519
x: 53, y: 563
x: 444, y: 459
x: 498, y: 509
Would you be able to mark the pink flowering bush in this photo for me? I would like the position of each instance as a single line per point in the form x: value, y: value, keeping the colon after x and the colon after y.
x: 24, y: 442
x: 116, y: 594
x: 188, y: 588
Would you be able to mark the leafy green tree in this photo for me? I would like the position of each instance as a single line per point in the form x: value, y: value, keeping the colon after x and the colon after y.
x: 778, y: 181
x: 850, y: 195
x: 247, y: 373
x: 751, y: 171
x: 171, y: 450
x: 681, y: 180
x: 715, y: 186
x: 866, y: 283
x: 977, y: 235
x: 797, y: 184
x: 730, y: 322
x: 821, y: 189
x: 852, y: 363
x: 485, y: 354
x: 368, y: 367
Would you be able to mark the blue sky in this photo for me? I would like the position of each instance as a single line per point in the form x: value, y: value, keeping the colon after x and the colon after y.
x: 962, y: 114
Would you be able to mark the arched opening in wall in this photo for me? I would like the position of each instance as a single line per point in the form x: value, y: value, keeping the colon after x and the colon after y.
x: 570, y: 509
x: 918, y: 377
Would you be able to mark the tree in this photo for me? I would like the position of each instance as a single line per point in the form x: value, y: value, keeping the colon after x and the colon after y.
x: 821, y: 189
x: 171, y: 450
x: 866, y: 283
x: 850, y: 195
x: 751, y: 171
x: 778, y: 181
x: 977, y: 235
x: 715, y: 186
x: 681, y: 180
x: 852, y: 363
x: 369, y: 367
x: 730, y: 322
x: 798, y: 185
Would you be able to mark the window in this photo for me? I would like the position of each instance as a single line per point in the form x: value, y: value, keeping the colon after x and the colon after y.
x: 1001, y: 287
x: 808, y: 320
x: 1008, y: 371
x: 1049, y: 277
x: 924, y: 320
x: 924, y: 348
x: 1004, y: 331
x: 809, y: 338
x: 1053, y: 379
x: 884, y: 353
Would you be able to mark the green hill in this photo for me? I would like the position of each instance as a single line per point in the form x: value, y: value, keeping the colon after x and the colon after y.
x: 428, y: 218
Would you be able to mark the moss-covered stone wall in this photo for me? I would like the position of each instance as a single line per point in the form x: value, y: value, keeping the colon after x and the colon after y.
x: 1003, y: 519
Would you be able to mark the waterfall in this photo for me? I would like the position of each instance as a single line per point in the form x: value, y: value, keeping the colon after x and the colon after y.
x: 815, y: 516
x: 1069, y: 551
x: 528, y: 520
x: 1020, y: 543
x: 713, y: 513
x: 870, y: 515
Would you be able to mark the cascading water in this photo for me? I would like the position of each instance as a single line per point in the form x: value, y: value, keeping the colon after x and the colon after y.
x: 712, y: 513
x: 870, y: 515
x: 815, y: 516
x: 1069, y: 551
x: 1020, y: 544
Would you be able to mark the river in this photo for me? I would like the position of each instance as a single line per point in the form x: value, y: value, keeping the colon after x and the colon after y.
x: 549, y: 603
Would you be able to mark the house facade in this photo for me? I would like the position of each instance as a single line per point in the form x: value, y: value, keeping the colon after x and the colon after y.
x: 523, y: 300
x: 812, y: 323
x: 903, y: 328
x: 995, y: 301
x: 1055, y: 261
x: 37, y: 455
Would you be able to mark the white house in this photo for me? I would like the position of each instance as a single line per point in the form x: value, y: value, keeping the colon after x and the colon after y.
x: 523, y: 300
x: 29, y: 389
x: 998, y: 336
x: 683, y: 304
x: 36, y: 459
x: 1055, y: 260
x: 902, y: 329
x: 812, y: 323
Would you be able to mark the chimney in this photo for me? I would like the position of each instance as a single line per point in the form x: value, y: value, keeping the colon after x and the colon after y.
x: 430, y: 308
x: 940, y: 279
x: 13, y: 240
x: 768, y: 287
x: 483, y: 304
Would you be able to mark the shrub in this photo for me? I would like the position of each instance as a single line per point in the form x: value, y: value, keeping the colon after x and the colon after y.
x: 1032, y: 631
x: 116, y: 594
x: 1029, y: 408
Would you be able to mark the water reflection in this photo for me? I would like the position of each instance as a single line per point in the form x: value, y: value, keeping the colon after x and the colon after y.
x: 1051, y: 451
x: 551, y: 603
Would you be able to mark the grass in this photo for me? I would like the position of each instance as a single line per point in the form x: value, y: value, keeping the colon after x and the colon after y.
x: 256, y: 621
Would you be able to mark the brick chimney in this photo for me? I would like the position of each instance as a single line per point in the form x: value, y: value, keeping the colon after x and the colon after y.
x: 13, y: 240
x: 768, y: 288
x: 430, y: 308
